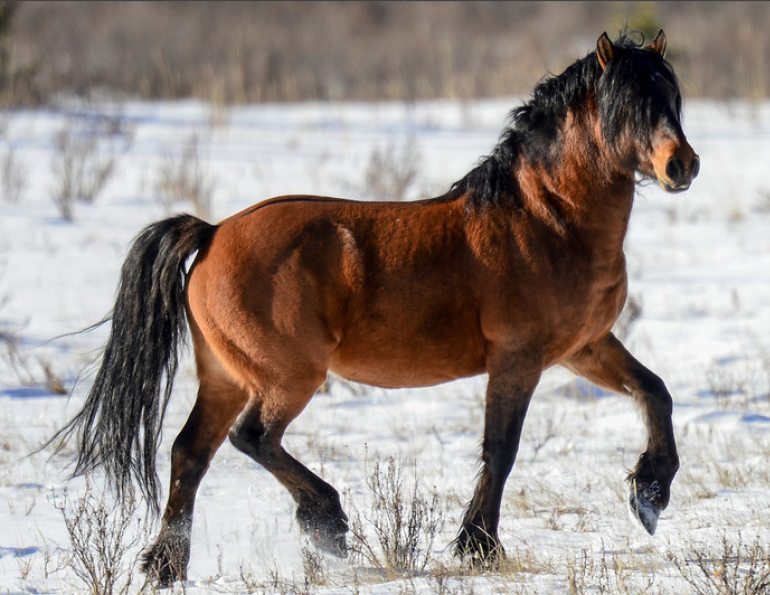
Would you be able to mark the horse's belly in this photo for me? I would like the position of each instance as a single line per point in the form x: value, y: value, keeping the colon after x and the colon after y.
x: 413, y: 365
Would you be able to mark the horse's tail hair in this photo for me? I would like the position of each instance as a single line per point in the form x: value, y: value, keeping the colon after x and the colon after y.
x: 119, y: 426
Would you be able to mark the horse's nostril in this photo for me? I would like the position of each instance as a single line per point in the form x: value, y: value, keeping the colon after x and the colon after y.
x: 674, y: 170
x: 695, y: 167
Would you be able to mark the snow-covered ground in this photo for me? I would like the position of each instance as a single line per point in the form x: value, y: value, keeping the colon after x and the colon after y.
x: 699, y: 266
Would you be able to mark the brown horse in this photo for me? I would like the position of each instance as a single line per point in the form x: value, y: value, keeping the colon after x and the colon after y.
x: 518, y: 267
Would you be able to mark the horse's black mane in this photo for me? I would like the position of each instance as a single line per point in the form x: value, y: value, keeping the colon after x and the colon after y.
x: 534, y: 126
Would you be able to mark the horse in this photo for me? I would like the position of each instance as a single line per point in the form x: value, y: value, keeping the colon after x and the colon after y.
x: 518, y: 267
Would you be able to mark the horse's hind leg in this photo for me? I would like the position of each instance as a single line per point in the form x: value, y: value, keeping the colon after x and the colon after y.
x: 608, y: 364
x: 219, y: 402
x: 258, y: 432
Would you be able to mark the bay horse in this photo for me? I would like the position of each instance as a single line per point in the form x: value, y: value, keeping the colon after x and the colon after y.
x: 517, y: 268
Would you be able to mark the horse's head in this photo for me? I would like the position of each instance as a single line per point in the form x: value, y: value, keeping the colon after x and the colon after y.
x: 641, y: 107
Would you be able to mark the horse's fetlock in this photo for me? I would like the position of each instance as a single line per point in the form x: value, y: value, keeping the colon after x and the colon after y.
x: 650, y: 468
x: 655, y: 491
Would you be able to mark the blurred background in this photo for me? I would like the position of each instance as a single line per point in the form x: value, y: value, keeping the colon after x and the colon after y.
x: 252, y: 52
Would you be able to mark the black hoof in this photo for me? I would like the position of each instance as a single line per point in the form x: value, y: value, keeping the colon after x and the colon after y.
x: 326, y: 529
x: 164, y: 564
x: 643, y: 503
x: 481, y: 549
x: 336, y: 545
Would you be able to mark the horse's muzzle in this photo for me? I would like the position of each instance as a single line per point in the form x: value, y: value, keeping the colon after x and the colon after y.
x: 679, y: 173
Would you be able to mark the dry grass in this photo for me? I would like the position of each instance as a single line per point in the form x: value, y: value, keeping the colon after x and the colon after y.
x: 102, y: 535
x: 392, y: 171
x: 185, y: 180
x: 739, y: 566
x: 83, y: 163
x: 30, y: 370
x: 396, y: 532
x: 13, y: 177
x: 234, y: 52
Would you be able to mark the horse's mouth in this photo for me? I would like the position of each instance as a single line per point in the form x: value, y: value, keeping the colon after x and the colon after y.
x: 671, y: 187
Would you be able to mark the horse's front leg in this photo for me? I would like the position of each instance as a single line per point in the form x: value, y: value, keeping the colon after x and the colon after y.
x: 508, y: 395
x: 608, y: 364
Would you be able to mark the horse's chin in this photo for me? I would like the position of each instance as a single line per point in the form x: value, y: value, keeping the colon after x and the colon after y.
x: 669, y: 188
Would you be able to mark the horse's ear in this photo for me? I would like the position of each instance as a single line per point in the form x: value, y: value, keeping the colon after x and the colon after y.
x: 659, y: 44
x: 604, y: 50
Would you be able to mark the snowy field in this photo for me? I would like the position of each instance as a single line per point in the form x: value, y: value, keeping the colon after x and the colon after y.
x: 699, y: 265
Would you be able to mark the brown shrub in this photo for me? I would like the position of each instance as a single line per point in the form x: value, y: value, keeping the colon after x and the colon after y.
x: 377, y: 50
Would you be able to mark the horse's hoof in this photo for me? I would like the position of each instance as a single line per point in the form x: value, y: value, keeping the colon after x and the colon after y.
x: 484, y: 553
x: 486, y: 561
x: 325, y: 528
x: 336, y: 545
x: 163, y: 569
x: 160, y: 575
x: 641, y: 504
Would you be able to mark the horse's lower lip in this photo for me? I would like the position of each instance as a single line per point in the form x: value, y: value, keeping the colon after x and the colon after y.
x: 669, y: 188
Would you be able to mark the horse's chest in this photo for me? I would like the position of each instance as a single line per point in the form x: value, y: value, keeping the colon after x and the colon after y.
x: 594, y: 306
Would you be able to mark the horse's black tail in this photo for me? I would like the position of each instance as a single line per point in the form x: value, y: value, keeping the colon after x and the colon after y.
x: 120, y: 424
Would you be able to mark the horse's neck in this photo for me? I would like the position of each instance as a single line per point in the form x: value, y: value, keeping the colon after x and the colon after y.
x: 578, y: 199
x: 583, y: 183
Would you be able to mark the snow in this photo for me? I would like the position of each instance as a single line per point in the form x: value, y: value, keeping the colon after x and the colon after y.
x: 699, y: 266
